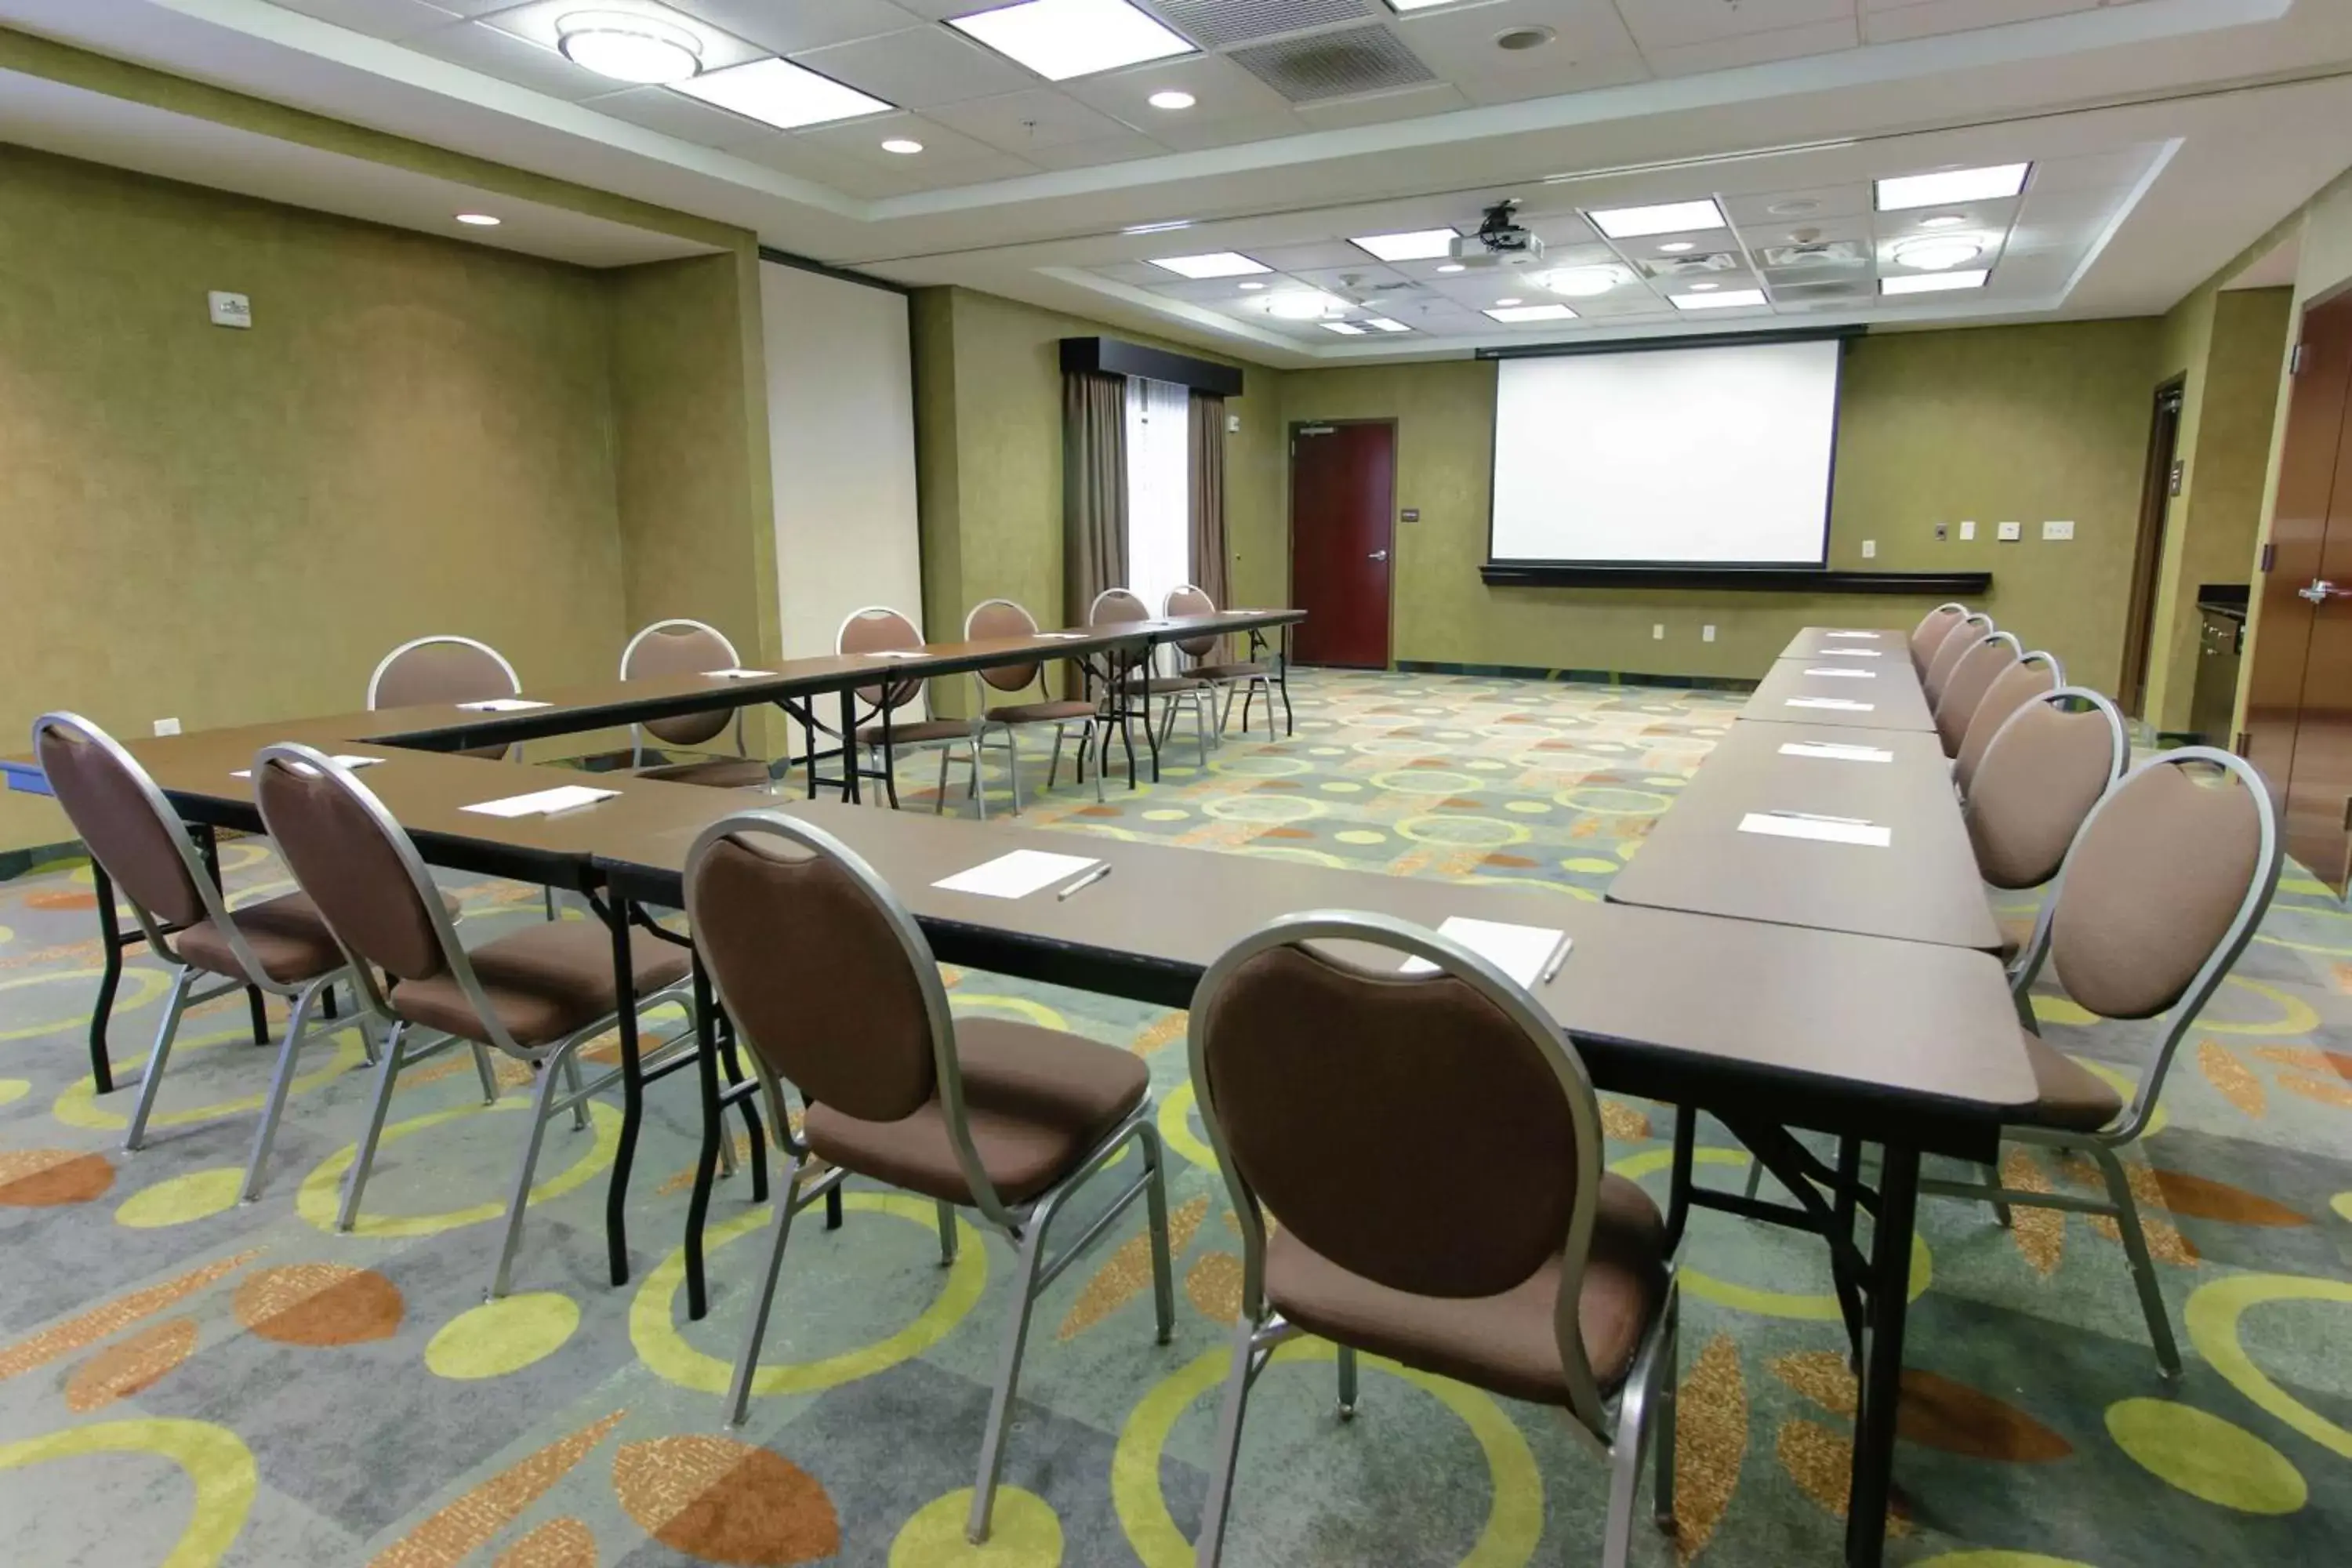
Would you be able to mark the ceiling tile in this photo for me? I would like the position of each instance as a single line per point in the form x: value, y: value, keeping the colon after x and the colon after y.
x: 1367, y: 273
x: 941, y: 10
x: 1220, y: 90
x: 1040, y: 117
x: 1559, y: 228
x: 377, y: 18
x: 1673, y: 24
x: 537, y: 22
x: 1409, y: 103
x: 795, y: 154
x: 1122, y: 147
x: 1307, y: 257
x: 1894, y: 23
x: 918, y: 68
x: 1755, y: 48
x: 2091, y: 171
x: 510, y: 58
x: 1136, y: 273
x: 786, y: 28
x: 1458, y: 41
x: 1187, y: 135
x: 673, y: 114
x: 861, y: 140
x: 1555, y: 79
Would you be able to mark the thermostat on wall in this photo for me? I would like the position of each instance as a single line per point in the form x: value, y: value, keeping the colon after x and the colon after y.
x: 229, y: 310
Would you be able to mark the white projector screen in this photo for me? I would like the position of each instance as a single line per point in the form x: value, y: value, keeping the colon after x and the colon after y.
x: 1675, y: 456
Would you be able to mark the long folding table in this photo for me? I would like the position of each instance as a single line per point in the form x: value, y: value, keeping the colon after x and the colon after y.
x: 1845, y: 694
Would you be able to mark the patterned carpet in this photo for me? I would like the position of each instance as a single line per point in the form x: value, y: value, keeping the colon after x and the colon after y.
x: 187, y: 1381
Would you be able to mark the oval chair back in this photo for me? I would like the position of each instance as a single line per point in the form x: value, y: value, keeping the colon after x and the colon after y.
x: 679, y: 648
x: 1932, y: 629
x: 443, y: 668
x: 878, y: 628
x: 993, y: 618
x: 1185, y: 600
x: 1964, y: 635
x: 2041, y: 777
x: 1970, y: 679
x: 1118, y: 606
x: 130, y: 831
x: 2029, y: 677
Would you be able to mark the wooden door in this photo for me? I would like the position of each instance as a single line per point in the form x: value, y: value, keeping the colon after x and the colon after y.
x: 2155, y: 506
x: 2298, y: 704
x: 1342, y: 534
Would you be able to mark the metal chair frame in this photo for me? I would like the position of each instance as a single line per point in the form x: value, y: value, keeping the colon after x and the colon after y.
x: 986, y: 694
x: 1197, y: 698
x: 1624, y: 1433
x: 375, y: 679
x: 734, y: 659
x: 1253, y: 686
x: 878, y: 765
x: 1023, y: 1225
x: 557, y: 1065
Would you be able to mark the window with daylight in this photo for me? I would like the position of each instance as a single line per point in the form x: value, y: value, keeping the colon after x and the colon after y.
x: 1159, y: 500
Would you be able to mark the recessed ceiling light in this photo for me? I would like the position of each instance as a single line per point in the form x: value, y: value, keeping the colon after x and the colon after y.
x: 628, y: 47
x: 1794, y: 208
x: 1415, y: 245
x: 1303, y: 305
x: 1950, y: 185
x: 1520, y: 39
x: 1248, y: 286
x: 1937, y: 252
x: 1513, y: 300
x: 1383, y: 324
x: 1345, y: 329
x: 1416, y: 5
x: 1059, y: 39
x: 1666, y: 217
x: 1451, y: 266
x: 1933, y: 282
x: 1677, y: 246
x: 905, y: 147
x: 1211, y: 264
x: 1532, y: 313
x: 782, y: 94
x: 478, y: 220
x: 1729, y: 300
x: 1582, y: 282
x: 1943, y: 220
x: 1171, y: 98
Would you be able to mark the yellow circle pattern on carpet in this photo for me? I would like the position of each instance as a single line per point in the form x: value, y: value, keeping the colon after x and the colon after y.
x: 2205, y: 1456
x: 1023, y: 1532
x: 317, y: 1200
x: 501, y: 1336
x: 2211, y: 1319
x: 197, y: 1195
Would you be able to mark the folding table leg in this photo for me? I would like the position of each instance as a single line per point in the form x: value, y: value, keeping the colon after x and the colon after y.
x: 1882, y: 1378
x: 633, y: 1092
x: 109, y: 942
x: 714, y: 1132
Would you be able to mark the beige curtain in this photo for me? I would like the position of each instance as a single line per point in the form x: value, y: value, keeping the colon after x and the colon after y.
x: 1207, y: 492
x: 1093, y: 494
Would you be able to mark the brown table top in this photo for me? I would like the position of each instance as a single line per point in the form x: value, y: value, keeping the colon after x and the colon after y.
x: 1923, y: 886
x: 1883, y: 640
x: 1890, y: 697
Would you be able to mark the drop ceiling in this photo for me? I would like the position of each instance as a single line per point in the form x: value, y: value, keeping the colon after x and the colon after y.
x: 2163, y: 136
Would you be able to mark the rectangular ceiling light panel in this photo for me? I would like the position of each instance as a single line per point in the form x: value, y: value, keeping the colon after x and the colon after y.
x: 782, y: 94
x: 1667, y: 217
x: 1729, y: 300
x: 1532, y: 313
x: 1417, y: 244
x: 1059, y: 39
x: 1950, y: 187
x: 1933, y: 282
x: 1212, y: 264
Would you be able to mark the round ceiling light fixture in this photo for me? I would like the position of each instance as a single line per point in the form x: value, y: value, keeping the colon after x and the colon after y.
x: 1171, y: 98
x: 478, y: 220
x: 1943, y: 220
x: 1802, y: 205
x: 1677, y: 246
x: 1937, y: 254
x: 905, y: 146
x: 1303, y: 305
x: 629, y: 48
x: 1582, y: 283
x: 1517, y: 39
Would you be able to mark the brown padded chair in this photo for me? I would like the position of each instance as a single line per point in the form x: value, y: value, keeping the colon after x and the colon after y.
x: 2159, y: 894
x: 878, y: 629
x: 2030, y: 676
x: 537, y: 994
x: 1964, y: 635
x: 689, y: 647
x: 1175, y: 693
x: 1251, y: 679
x: 1966, y: 686
x: 833, y: 985
x: 1930, y: 634
x: 442, y: 668
x: 990, y: 620
x: 280, y: 945
x: 2039, y: 777
x: 1527, y: 1271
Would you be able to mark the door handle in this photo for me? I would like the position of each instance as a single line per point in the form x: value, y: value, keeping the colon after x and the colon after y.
x: 1378, y: 556
x: 2321, y: 590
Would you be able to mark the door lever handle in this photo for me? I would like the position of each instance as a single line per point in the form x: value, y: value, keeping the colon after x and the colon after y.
x: 2321, y: 590
x: 1378, y: 556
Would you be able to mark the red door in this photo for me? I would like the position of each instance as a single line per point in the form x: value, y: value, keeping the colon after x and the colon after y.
x: 1342, y: 528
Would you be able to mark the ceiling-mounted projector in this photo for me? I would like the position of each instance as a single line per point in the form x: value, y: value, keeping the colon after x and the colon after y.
x: 1500, y: 242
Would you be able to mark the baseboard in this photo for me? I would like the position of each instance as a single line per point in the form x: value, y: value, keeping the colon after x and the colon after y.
x: 15, y: 863
x: 1585, y: 677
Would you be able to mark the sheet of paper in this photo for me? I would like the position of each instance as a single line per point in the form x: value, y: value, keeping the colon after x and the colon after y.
x: 1016, y: 875
x: 1838, y: 704
x: 1872, y: 635
x: 1828, y: 829
x: 347, y: 761
x: 1849, y: 653
x: 738, y: 674
x: 1063, y: 636
x: 1843, y: 673
x: 501, y: 705
x: 545, y: 802
x: 1836, y: 754
x: 1519, y: 951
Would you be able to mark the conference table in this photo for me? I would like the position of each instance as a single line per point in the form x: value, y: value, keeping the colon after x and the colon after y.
x: 1910, y: 1043
x: 1841, y: 693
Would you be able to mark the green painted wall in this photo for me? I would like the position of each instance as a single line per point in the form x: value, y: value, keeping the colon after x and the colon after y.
x: 1987, y: 424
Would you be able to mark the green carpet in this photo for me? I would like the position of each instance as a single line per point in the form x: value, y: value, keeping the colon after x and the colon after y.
x: 187, y: 1381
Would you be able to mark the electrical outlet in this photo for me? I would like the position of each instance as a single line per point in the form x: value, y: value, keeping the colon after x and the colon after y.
x: 2057, y: 531
x: 2010, y: 532
x: 1869, y: 548
x: 1941, y: 534
x: 167, y: 726
x: 1707, y: 634
x: 1658, y: 632
x: 1968, y: 530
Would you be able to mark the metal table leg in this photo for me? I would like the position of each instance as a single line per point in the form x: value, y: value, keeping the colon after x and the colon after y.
x: 849, y: 791
x: 109, y: 942
x: 632, y: 1091
x: 1882, y: 1378
x: 714, y: 1128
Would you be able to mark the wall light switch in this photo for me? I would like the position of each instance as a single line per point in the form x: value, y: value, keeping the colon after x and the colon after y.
x: 2010, y: 532
x: 1658, y: 632
x: 2058, y: 531
x: 167, y: 726
x: 229, y: 310
x: 1968, y: 530
x: 1232, y: 423
x: 1707, y: 634
x: 1869, y: 548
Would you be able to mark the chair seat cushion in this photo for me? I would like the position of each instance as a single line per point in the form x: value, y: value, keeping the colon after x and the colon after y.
x: 1065, y: 713
x: 1172, y: 685
x: 714, y: 773
x: 1503, y: 1343
x: 918, y: 730
x: 1036, y: 1101
x: 543, y: 981
x: 2069, y: 1094
x: 1227, y: 671
x: 288, y: 934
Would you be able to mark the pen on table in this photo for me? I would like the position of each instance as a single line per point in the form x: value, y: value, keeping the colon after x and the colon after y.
x: 1091, y: 877
x: 1551, y: 965
x: 1817, y: 816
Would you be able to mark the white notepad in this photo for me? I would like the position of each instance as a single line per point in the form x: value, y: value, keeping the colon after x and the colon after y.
x: 1873, y: 636
x: 545, y: 802
x: 1833, y: 751
x: 1849, y: 653
x: 1016, y: 875
x: 1839, y: 703
x: 1828, y: 829
x: 347, y: 761
x: 1519, y: 951
x: 1843, y: 674
x: 501, y: 705
x: 738, y: 674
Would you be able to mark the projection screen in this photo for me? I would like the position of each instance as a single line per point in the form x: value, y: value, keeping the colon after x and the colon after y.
x: 1703, y: 456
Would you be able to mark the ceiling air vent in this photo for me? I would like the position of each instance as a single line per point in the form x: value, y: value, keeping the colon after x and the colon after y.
x: 1689, y: 266
x: 1819, y: 255
x: 1335, y: 65
x: 1219, y: 23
